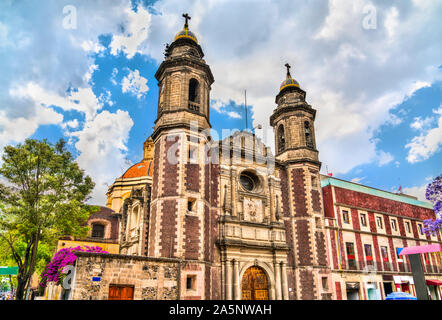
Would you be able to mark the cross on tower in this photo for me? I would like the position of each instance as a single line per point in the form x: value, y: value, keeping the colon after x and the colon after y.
x: 187, y: 17
x: 288, y: 69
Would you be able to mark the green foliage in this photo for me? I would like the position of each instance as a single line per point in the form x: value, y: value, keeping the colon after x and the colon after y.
x: 43, y: 198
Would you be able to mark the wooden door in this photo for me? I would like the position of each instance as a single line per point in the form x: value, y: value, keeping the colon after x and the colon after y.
x: 117, y: 292
x: 255, y: 284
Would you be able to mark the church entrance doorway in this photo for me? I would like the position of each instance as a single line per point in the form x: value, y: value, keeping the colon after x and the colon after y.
x: 255, y: 284
x: 118, y: 292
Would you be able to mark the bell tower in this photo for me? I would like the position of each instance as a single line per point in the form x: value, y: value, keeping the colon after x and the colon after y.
x: 183, y: 214
x: 295, y: 144
x: 184, y: 81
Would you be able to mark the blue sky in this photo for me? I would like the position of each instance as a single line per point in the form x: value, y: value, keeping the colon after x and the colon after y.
x: 85, y: 73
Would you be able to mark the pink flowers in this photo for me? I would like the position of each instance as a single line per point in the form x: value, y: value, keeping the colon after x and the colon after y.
x: 62, y: 258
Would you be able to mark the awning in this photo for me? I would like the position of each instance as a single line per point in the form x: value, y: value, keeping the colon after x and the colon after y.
x: 434, y: 282
x: 421, y: 249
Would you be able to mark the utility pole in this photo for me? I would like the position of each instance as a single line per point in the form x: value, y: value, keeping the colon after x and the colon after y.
x: 245, y: 106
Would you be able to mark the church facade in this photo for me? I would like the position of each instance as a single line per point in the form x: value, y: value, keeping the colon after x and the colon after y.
x: 205, y: 219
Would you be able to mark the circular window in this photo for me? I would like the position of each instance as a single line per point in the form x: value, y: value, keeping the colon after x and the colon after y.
x: 249, y: 181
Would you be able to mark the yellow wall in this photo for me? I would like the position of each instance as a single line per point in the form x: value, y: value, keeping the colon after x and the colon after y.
x: 109, y: 247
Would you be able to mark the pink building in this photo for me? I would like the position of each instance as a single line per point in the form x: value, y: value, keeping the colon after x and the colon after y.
x: 366, y: 228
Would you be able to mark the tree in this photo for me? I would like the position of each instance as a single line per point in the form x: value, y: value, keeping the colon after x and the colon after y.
x: 43, y: 197
x: 434, y: 194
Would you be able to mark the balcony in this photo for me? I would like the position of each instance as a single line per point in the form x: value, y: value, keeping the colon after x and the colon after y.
x: 194, y: 106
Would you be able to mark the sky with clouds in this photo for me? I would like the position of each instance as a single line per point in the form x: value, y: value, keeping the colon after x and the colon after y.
x: 84, y: 71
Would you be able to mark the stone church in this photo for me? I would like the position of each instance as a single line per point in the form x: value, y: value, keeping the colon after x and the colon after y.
x: 218, y: 219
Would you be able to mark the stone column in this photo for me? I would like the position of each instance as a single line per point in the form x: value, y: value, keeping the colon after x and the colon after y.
x: 236, y: 283
x: 285, y: 290
x: 277, y: 268
x: 223, y: 279
x: 228, y: 280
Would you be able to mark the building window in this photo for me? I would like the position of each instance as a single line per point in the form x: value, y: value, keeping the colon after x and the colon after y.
x: 191, y: 282
x: 194, y: 90
x: 193, y: 154
x: 314, y: 182
x: 308, y: 135
x: 384, y: 254
x: 249, y: 181
x: 407, y: 227
x: 97, y: 231
x: 393, y: 224
x: 363, y: 220
x: 421, y: 231
x: 399, y: 258
x: 345, y: 216
x: 379, y: 222
x: 191, y: 204
x: 325, y: 283
x: 318, y: 222
x: 368, y: 254
x: 281, y: 139
x: 350, y: 248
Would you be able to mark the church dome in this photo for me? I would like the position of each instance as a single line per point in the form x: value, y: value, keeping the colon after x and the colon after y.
x: 141, y: 169
x: 186, y: 33
x: 289, y: 81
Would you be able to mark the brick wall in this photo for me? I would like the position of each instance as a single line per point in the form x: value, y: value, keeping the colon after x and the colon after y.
x: 363, y: 200
x: 168, y: 228
x: 298, y: 193
x: 303, y: 243
x: 192, y: 237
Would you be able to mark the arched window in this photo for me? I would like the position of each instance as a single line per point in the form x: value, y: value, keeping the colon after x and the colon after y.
x: 308, y: 135
x: 281, y: 139
x: 194, y: 90
x: 97, y: 231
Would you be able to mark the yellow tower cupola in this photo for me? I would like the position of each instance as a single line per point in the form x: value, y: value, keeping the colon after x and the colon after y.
x: 186, y: 33
x: 289, y: 81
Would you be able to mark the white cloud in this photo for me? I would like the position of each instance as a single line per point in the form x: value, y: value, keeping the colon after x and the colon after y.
x: 357, y: 179
x: 234, y: 115
x: 136, y: 32
x: 429, y: 141
x: 384, y: 158
x: 72, y: 124
x: 18, y: 129
x: 417, y: 191
x: 81, y: 99
x: 392, y: 22
x: 91, y: 46
x: 135, y: 84
x: 353, y: 76
x: 102, y: 146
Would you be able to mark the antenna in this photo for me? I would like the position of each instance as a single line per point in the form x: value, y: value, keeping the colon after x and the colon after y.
x: 245, y: 106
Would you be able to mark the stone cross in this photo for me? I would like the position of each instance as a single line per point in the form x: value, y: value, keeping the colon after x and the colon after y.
x: 187, y: 17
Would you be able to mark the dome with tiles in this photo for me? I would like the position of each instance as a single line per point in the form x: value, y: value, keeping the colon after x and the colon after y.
x: 141, y: 169
x: 187, y: 34
x: 289, y: 81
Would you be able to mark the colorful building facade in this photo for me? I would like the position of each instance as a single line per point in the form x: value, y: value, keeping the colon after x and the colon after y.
x: 366, y: 229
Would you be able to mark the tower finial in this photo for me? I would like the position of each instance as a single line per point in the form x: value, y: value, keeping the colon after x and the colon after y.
x: 288, y: 69
x: 187, y: 17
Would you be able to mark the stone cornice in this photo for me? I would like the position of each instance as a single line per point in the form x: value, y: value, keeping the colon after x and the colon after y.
x: 184, y: 61
x: 280, y: 110
x: 380, y: 234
